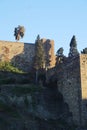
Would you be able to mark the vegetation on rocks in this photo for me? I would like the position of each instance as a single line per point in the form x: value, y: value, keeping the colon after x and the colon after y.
x: 30, y: 106
x: 7, y: 66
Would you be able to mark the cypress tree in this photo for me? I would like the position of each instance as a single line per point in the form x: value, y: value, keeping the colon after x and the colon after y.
x: 39, y: 61
x: 73, y: 47
x: 59, y: 56
x: 84, y: 51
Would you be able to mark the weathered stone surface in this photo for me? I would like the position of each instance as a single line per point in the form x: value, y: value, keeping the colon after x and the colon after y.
x: 71, y: 78
x: 69, y: 86
x: 22, y: 54
x: 45, y: 109
x: 83, y: 73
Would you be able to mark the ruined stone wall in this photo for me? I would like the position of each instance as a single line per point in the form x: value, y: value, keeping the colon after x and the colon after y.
x: 83, y: 70
x: 71, y: 79
x: 20, y: 54
x: 69, y: 85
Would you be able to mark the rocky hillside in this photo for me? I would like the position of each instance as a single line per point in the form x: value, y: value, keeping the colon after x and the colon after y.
x: 26, y: 106
x: 31, y: 107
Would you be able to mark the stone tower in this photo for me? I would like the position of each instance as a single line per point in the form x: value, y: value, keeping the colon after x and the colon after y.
x: 49, y: 50
x: 83, y: 77
x: 71, y: 77
x: 73, y: 85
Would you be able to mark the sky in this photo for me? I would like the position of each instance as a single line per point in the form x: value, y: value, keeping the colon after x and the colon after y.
x: 58, y: 20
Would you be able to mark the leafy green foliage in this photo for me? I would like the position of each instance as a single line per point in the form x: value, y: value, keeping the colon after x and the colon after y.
x: 19, y: 32
x: 60, y: 52
x: 39, y: 60
x: 59, y: 56
x: 73, y: 42
x: 7, y: 66
x: 84, y: 51
x: 73, y: 47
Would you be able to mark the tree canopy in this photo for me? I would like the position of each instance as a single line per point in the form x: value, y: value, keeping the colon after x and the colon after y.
x: 60, y: 52
x: 73, y: 47
x: 19, y: 32
x: 59, y: 56
x: 84, y: 51
x: 39, y: 60
x: 73, y: 42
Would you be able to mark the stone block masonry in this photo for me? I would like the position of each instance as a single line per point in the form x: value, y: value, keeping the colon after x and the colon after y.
x: 22, y: 54
x: 71, y: 79
x: 83, y: 73
x: 71, y: 75
x: 70, y: 87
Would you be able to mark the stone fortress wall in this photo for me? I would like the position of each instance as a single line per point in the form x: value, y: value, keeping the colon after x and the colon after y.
x: 70, y: 87
x: 22, y: 54
x: 83, y: 79
x: 71, y: 78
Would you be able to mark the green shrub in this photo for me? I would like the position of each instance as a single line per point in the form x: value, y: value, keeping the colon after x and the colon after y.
x: 7, y: 66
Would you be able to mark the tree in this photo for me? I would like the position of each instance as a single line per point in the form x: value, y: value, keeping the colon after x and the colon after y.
x: 73, y: 47
x: 39, y: 60
x: 47, y: 61
x: 59, y: 56
x: 84, y: 51
x: 19, y: 32
x: 60, y: 52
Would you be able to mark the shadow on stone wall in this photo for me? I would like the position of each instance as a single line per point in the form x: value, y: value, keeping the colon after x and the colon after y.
x: 24, y: 60
x: 84, y: 112
x: 47, y: 47
x: 56, y: 103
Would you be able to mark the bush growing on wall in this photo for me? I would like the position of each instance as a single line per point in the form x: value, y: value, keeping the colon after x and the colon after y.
x: 7, y: 66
